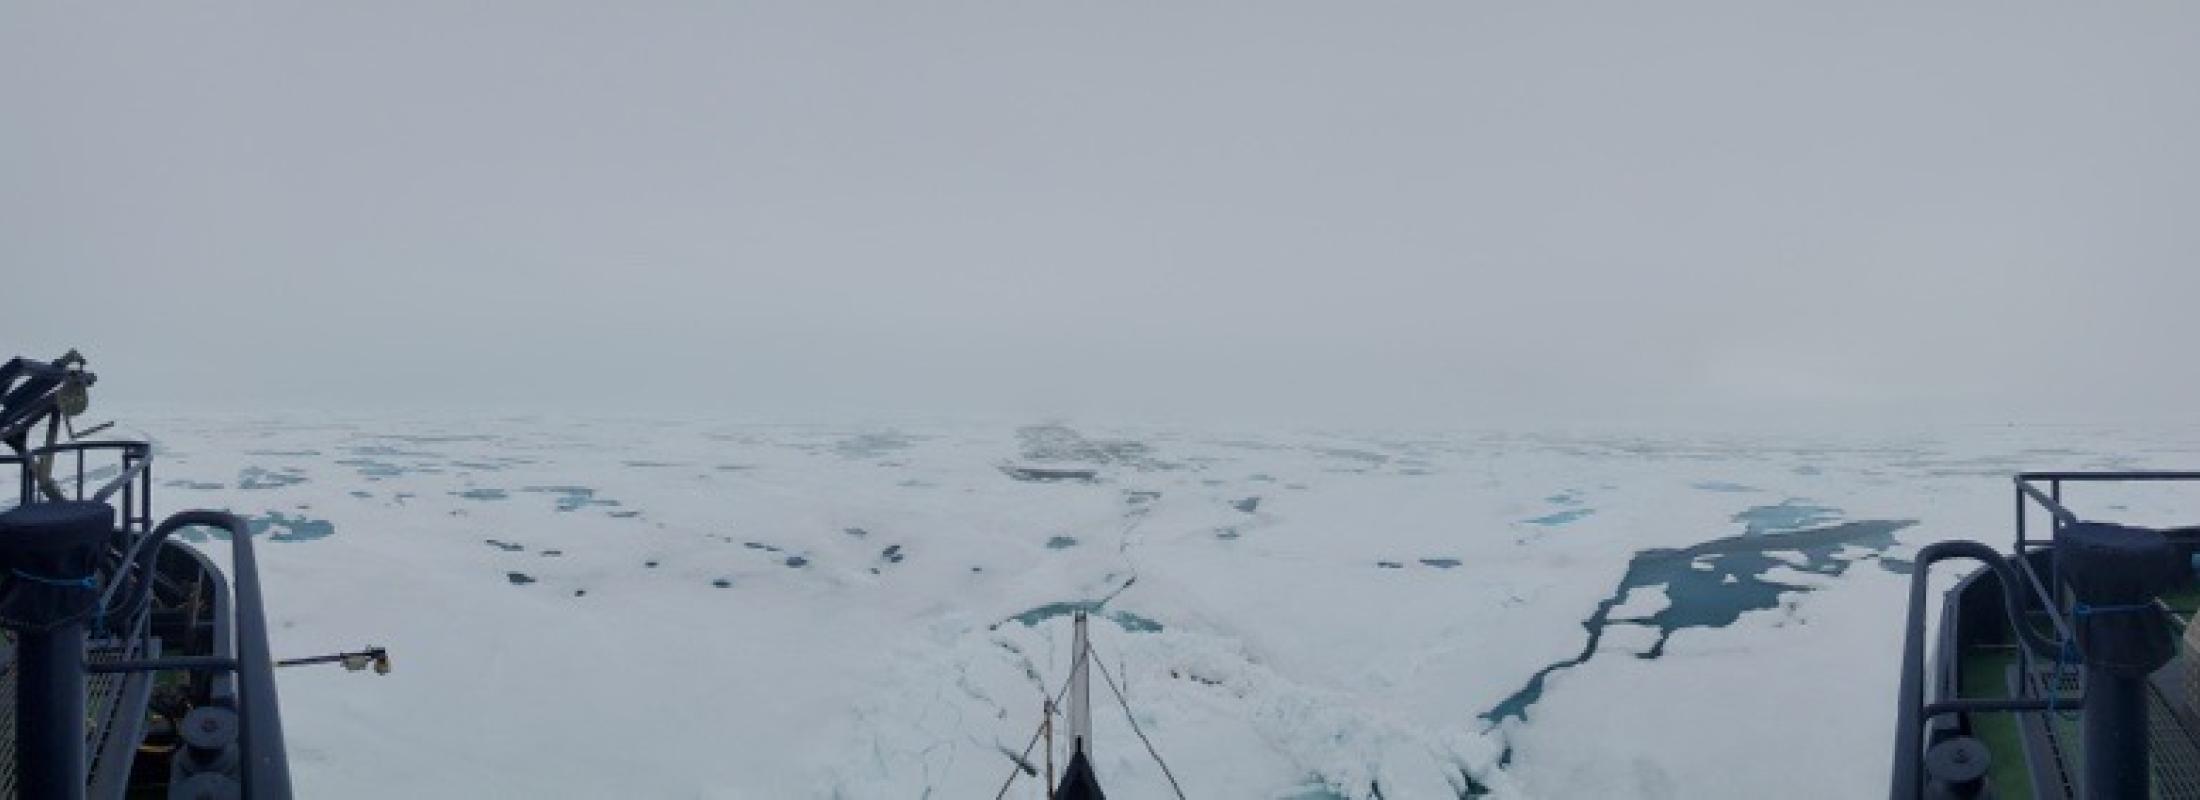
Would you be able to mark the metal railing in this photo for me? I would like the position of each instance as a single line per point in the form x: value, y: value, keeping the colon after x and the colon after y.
x: 132, y: 483
x: 2050, y: 500
x: 1913, y: 712
x: 241, y: 666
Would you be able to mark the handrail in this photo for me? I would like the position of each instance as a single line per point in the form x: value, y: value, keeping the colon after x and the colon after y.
x: 130, y: 448
x: 2053, y: 503
x: 2041, y: 591
x: 2054, y: 507
x: 2099, y: 477
x: 260, y: 730
x: 1909, y: 715
x: 1913, y: 713
x: 93, y: 444
x: 132, y: 478
x: 128, y: 474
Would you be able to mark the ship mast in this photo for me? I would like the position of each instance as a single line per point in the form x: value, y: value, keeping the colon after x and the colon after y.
x: 1080, y: 696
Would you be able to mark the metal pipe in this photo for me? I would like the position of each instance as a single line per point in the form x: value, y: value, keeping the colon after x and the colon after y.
x: 129, y: 504
x: 2132, y: 475
x: 49, y: 712
x: 2055, y: 509
x: 105, y: 444
x: 2047, y: 600
x: 2115, y: 736
x: 128, y: 476
x: 266, y: 769
x: 145, y: 491
x: 1968, y: 705
x: 260, y: 725
x: 1909, y: 735
x: 333, y: 658
x: 156, y: 664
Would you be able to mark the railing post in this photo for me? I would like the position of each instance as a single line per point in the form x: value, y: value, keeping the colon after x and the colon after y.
x: 2055, y: 522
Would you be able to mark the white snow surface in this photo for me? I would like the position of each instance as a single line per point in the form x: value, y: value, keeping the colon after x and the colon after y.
x: 710, y: 623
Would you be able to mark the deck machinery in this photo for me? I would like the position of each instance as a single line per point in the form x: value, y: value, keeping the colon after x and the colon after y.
x: 2065, y: 668
x: 133, y: 667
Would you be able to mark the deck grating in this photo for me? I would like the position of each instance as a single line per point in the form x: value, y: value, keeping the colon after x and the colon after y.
x: 104, y: 704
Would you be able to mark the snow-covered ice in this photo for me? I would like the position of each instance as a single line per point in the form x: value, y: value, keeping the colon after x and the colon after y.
x: 647, y: 608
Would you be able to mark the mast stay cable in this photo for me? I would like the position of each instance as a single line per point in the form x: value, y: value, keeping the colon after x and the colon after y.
x: 1119, y: 699
x: 1025, y: 758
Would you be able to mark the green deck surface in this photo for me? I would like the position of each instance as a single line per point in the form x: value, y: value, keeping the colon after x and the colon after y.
x: 2185, y: 600
x: 1986, y: 675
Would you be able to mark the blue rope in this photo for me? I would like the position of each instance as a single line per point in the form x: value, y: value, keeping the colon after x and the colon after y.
x: 99, y: 610
x: 2083, y: 610
x: 2067, y: 655
x: 86, y: 582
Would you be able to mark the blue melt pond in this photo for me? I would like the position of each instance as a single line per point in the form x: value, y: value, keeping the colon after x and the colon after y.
x: 1562, y: 517
x: 371, y: 469
x: 571, y: 498
x: 298, y: 528
x: 1129, y: 622
x: 1712, y: 584
x: 1790, y: 515
x: 1722, y: 486
x: 257, y: 478
x: 276, y: 525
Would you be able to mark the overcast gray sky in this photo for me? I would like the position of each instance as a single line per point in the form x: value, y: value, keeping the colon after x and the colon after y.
x: 1430, y: 213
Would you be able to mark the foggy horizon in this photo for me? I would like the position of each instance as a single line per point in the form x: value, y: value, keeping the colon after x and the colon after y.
x: 1424, y: 216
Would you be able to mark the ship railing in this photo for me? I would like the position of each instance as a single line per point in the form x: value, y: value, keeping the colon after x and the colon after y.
x: 241, y: 660
x: 2050, y: 500
x: 131, y: 483
x: 1913, y: 711
x: 241, y: 667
